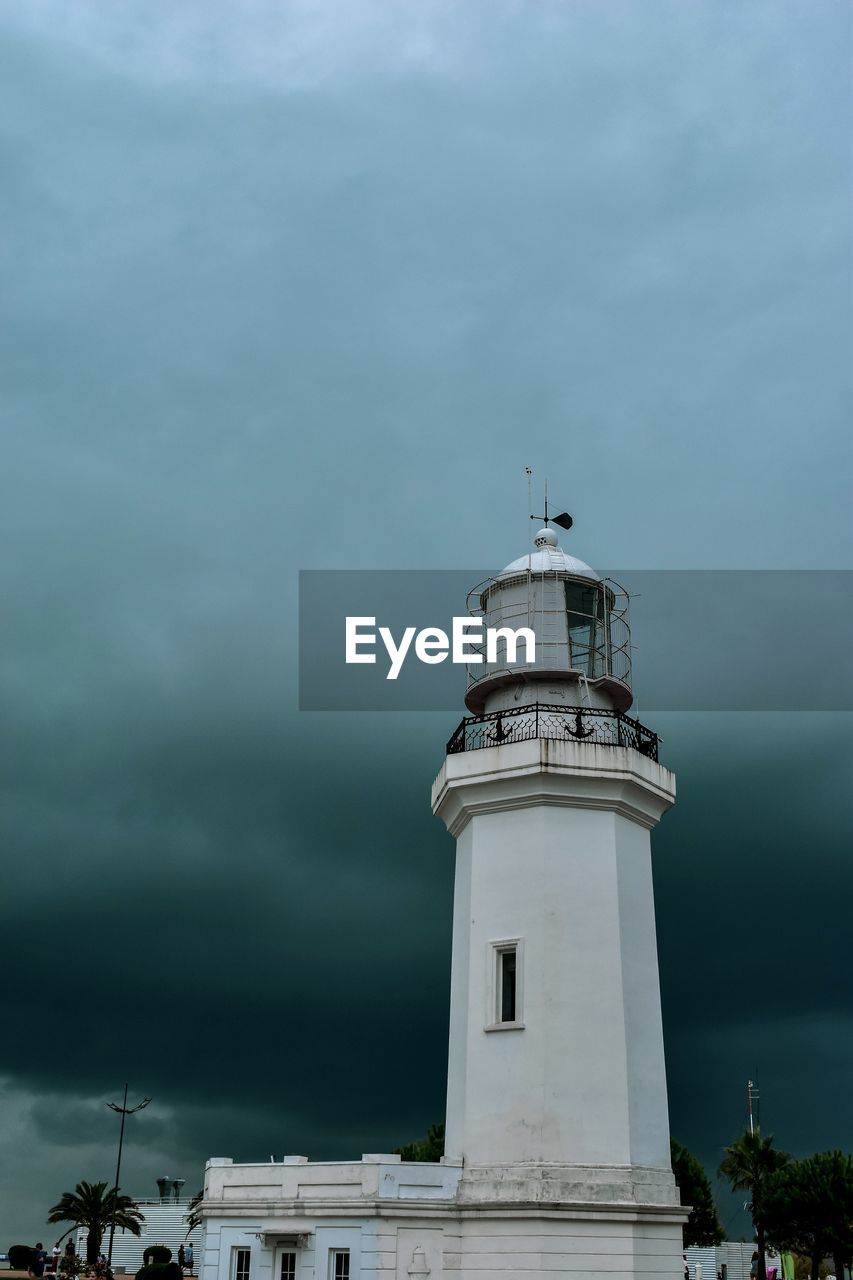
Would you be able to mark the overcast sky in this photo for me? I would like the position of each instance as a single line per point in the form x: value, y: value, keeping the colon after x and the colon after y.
x: 307, y: 285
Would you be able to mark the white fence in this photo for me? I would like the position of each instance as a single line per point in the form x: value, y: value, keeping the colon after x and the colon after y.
x: 165, y: 1223
x: 730, y: 1260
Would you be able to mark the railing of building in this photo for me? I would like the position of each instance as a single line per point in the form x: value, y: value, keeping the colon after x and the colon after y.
x: 559, y: 723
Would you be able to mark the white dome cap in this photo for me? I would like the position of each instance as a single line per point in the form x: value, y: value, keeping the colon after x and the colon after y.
x: 549, y: 557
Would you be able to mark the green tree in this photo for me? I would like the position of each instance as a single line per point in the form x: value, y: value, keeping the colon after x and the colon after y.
x: 91, y: 1205
x: 748, y: 1163
x: 703, y: 1226
x: 430, y: 1148
x: 808, y: 1208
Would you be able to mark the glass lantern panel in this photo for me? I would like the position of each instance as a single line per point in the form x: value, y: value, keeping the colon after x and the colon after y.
x: 586, y: 625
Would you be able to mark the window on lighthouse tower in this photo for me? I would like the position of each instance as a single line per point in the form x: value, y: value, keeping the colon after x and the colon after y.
x: 508, y: 989
x: 505, y: 998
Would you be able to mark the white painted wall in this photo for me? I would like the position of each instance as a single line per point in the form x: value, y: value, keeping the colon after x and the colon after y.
x: 553, y: 848
x: 482, y: 1244
x: 648, y: 1112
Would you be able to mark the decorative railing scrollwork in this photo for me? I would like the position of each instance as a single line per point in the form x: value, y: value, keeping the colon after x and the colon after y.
x: 597, y: 725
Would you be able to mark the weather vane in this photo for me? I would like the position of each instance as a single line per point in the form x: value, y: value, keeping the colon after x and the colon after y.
x: 564, y: 520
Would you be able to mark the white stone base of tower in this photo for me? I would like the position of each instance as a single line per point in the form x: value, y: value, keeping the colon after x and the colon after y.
x: 581, y: 1241
x: 549, y: 1219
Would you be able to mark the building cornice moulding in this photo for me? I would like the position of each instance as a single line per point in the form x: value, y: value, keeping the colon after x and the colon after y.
x: 540, y: 772
x: 298, y: 1211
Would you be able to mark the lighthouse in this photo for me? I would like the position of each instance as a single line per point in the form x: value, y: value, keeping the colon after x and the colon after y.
x: 556, y: 1091
x: 557, y: 1140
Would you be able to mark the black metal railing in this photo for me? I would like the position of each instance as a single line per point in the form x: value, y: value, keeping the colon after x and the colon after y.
x: 597, y: 725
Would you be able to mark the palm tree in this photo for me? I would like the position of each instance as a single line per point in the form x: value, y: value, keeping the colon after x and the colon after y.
x: 748, y: 1163
x: 91, y: 1205
x: 193, y: 1215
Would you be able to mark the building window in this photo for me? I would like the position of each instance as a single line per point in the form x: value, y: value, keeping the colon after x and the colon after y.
x: 242, y: 1263
x: 288, y: 1266
x: 506, y: 985
x: 508, y: 976
x: 339, y: 1264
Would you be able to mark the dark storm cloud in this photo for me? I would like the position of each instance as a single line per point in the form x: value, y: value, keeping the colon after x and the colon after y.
x: 70, y: 1122
x: 309, y: 289
x: 753, y: 884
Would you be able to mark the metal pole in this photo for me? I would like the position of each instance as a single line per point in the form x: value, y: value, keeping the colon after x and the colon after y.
x: 749, y: 1094
x: 124, y: 1110
x: 115, y: 1187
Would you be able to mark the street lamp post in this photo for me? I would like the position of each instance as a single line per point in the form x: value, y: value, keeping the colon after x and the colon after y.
x: 123, y: 1110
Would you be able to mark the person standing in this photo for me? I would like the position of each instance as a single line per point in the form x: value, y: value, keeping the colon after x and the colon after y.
x: 39, y: 1261
x: 188, y: 1257
x: 56, y: 1255
x: 182, y: 1258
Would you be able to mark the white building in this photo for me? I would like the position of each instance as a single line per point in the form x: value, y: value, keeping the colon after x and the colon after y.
x: 557, y: 1149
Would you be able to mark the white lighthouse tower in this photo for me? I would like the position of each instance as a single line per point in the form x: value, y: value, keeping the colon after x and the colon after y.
x: 557, y: 1148
x: 556, y: 1093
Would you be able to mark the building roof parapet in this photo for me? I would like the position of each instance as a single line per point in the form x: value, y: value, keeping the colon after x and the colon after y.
x: 375, y: 1176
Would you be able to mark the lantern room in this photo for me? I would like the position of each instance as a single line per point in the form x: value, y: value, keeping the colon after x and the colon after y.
x: 580, y: 622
